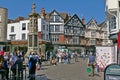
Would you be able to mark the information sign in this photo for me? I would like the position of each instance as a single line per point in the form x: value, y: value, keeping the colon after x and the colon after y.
x: 112, y: 72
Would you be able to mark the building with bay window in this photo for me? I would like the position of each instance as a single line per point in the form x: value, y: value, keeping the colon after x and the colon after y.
x: 96, y: 34
x: 112, y: 15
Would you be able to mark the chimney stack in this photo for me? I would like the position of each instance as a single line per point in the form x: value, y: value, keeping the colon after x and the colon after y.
x: 42, y: 13
x: 83, y: 20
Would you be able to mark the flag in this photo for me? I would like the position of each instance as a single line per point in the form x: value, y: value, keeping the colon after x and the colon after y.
x: 118, y: 49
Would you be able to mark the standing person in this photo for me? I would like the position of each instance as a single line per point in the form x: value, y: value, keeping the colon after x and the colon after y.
x: 51, y: 56
x: 2, y: 52
x: 48, y: 55
x: 83, y: 55
x: 40, y: 60
x: 13, y: 64
x: 65, y: 57
x: 19, y: 65
x: 91, y: 61
x: 30, y: 55
x: 69, y: 57
x: 5, y: 67
x: 58, y: 55
x: 76, y: 56
x: 32, y: 68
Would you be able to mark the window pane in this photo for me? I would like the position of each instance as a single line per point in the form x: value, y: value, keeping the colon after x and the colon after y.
x: 23, y: 26
x: 112, y: 22
x: 51, y: 28
x: 30, y: 40
x: 47, y: 27
x: 51, y: 18
x: 28, y: 26
x: 12, y: 37
x: 23, y: 36
x: 43, y: 27
x: 57, y: 28
x: 57, y: 19
x: 12, y: 29
x: 35, y: 41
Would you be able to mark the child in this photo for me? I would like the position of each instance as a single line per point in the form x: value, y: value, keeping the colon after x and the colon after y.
x: 54, y: 61
x: 96, y: 67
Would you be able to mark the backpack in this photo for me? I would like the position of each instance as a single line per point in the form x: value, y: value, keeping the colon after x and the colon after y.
x: 3, y: 64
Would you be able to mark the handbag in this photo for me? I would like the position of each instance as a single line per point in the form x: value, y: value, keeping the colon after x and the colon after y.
x: 88, y: 70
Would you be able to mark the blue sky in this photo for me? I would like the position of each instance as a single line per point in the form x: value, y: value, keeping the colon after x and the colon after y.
x: 87, y: 8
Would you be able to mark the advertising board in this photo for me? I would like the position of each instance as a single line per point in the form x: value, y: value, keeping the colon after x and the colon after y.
x: 105, y: 55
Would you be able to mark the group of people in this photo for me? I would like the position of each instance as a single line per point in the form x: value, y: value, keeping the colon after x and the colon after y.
x: 14, y: 61
x: 10, y: 61
x: 63, y: 57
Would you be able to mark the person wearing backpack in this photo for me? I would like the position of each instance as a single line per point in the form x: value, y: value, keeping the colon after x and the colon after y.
x: 32, y: 68
x: 91, y: 61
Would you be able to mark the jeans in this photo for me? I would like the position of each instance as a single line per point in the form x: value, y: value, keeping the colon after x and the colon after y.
x: 65, y: 61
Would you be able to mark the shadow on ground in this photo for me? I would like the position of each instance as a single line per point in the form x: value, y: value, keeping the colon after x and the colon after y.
x: 42, y: 77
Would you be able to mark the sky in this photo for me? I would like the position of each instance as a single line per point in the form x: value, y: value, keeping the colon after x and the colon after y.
x: 83, y: 8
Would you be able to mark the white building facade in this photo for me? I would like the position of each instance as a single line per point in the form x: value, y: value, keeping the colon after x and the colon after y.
x: 113, y: 17
x: 19, y: 30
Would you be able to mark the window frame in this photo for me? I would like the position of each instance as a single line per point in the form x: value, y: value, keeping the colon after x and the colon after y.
x: 23, y: 26
x: 12, y: 28
x: 23, y: 38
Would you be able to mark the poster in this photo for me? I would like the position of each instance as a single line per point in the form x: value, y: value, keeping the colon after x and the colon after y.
x: 105, y: 55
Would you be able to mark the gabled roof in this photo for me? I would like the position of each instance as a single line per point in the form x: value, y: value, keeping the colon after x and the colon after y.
x: 74, y: 16
x: 91, y: 21
x: 63, y: 15
x: 102, y: 25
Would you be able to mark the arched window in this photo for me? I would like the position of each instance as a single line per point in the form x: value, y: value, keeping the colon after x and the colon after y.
x: 112, y: 22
